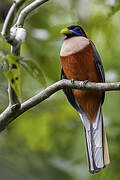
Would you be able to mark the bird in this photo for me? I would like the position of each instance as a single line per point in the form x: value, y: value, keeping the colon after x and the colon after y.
x: 81, y: 61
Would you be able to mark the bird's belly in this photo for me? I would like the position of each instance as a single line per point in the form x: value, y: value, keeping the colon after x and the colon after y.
x: 80, y: 66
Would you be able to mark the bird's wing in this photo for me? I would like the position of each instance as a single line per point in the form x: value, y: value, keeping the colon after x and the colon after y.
x: 68, y: 92
x: 99, y: 66
x: 70, y: 97
x: 98, y: 62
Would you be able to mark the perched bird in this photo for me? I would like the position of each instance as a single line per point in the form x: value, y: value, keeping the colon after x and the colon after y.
x: 81, y: 61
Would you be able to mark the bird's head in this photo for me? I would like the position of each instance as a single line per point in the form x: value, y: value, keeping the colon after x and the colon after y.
x: 72, y: 31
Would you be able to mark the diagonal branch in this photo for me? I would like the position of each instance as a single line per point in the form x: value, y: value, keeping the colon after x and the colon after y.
x: 10, y: 114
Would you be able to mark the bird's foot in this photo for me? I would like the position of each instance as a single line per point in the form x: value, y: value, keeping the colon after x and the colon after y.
x: 85, y: 82
x: 72, y: 81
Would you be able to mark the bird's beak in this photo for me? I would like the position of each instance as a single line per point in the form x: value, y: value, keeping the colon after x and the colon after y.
x: 66, y: 31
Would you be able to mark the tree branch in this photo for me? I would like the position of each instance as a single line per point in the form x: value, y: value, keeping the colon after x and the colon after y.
x: 15, y: 46
x: 16, y: 35
x: 25, y: 12
x: 10, y: 18
x: 10, y: 113
x: 13, y: 99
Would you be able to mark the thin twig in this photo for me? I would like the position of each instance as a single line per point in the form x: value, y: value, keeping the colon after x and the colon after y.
x: 25, y: 12
x: 15, y: 49
x: 10, y: 113
x: 13, y: 99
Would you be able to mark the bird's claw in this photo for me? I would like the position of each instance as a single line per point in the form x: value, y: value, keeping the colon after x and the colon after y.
x: 72, y: 81
x: 85, y: 82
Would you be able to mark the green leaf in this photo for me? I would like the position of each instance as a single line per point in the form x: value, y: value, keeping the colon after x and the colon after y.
x: 13, y: 74
x: 34, y: 70
x: 4, y: 46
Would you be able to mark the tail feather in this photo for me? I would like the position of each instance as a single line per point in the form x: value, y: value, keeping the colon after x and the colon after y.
x: 96, y: 142
x: 106, y: 151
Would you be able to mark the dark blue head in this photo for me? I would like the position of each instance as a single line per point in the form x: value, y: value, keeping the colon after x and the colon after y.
x: 72, y: 31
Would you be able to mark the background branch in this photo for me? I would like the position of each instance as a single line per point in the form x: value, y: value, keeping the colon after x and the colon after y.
x: 15, y: 49
x: 10, y: 18
x: 10, y: 114
x: 13, y: 99
x: 16, y: 35
x: 25, y: 12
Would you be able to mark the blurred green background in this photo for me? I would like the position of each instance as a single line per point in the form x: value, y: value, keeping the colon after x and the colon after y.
x: 47, y: 142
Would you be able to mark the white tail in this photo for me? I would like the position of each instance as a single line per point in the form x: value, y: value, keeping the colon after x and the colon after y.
x: 96, y: 142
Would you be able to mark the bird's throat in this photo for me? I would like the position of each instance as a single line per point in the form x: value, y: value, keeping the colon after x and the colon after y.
x: 72, y: 45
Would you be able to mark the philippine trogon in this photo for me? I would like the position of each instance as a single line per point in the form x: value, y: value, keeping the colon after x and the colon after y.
x: 81, y: 61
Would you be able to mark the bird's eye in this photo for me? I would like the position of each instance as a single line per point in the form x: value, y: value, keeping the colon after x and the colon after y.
x: 78, y: 29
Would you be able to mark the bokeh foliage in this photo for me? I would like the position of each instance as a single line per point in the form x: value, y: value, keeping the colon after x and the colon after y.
x: 47, y: 142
